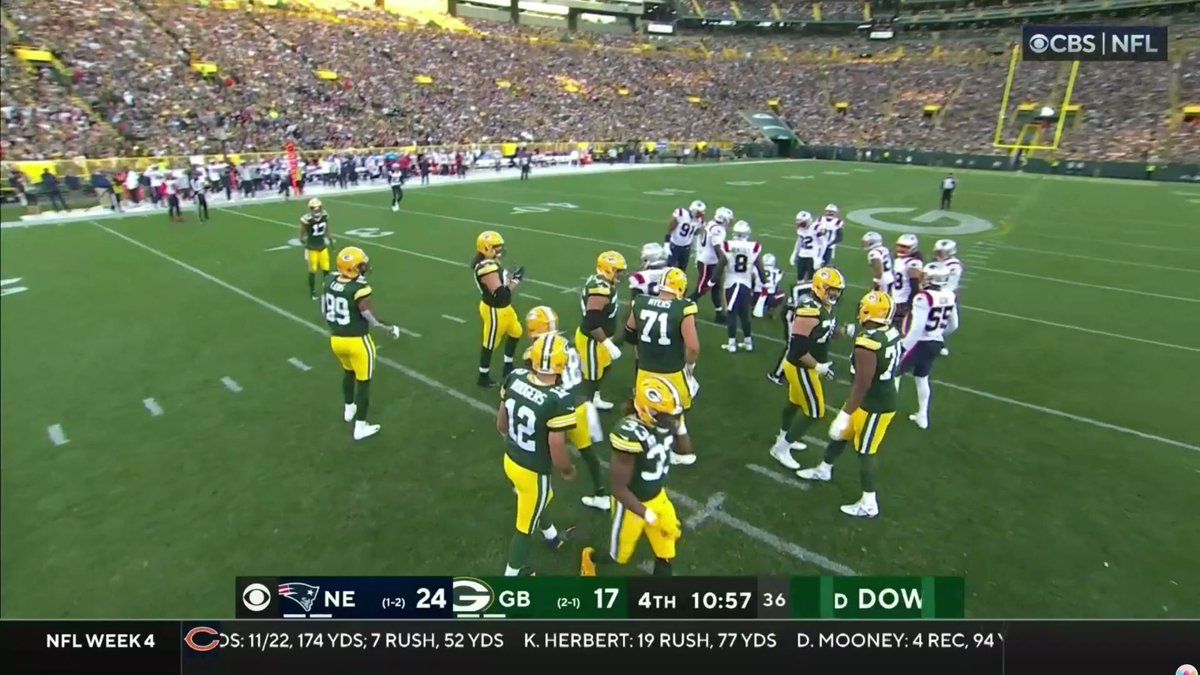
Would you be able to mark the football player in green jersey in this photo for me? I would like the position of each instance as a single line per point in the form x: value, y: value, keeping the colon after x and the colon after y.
x: 593, y: 340
x: 869, y: 409
x: 346, y: 304
x: 534, y: 417
x: 316, y: 237
x: 641, y: 445
x: 807, y: 360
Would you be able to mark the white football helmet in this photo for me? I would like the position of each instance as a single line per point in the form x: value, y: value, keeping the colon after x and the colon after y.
x: 741, y: 230
x: 653, y: 255
x: 935, y: 275
x: 698, y: 207
x: 724, y: 215
x: 906, y: 243
x: 872, y: 239
x: 803, y: 219
x: 769, y: 261
x: 944, y: 248
x: 831, y: 209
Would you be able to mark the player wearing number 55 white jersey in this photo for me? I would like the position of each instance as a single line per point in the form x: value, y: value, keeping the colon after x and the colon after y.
x: 663, y: 329
x: 740, y: 262
x: 681, y: 230
x: 542, y: 320
x: 934, y: 316
x: 945, y: 251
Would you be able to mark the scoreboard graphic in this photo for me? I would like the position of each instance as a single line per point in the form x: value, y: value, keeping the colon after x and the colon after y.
x: 814, y: 597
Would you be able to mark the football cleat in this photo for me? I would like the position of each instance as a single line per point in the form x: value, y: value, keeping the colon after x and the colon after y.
x: 729, y: 346
x: 861, y: 509
x: 600, y: 403
x: 560, y: 540
x: 395, y: 207
x: 315, y: 296
x: 598, y: 502
x: 364, y: 430
x: 776, y: 380
x: 819, y: 473
x: 782, y: 453
x: 944, y: 352
x: 920, y: 420
x: 682, y: 460
x: 748, y: 345
x: 587, y: 565
x: 348, y: 412
x: 486, y: 382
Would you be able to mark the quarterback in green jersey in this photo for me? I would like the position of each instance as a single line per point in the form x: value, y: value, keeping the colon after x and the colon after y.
x: 316, y: 238
x: 868, y: 411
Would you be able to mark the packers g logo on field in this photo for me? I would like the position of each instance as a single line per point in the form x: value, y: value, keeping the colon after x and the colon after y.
x: 471, y: 596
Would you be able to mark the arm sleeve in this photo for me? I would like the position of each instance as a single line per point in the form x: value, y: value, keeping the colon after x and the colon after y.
x: 502, y: 294
x: 798, y: 346
x: 952, y: 324
x: 593, y: 319
x: 920, y: 314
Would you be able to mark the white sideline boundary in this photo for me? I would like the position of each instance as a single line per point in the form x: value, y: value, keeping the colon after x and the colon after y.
x: 712, y: 511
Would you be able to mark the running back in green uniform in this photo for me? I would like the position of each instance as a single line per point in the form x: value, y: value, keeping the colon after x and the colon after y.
x: 885, y: 342
x: 652, y: 449
x: 659, y: 327
x: 340, y: 305
x: 534, y: 410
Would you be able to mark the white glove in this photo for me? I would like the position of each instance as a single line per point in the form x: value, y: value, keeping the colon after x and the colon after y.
x: 613, y: 350
x: 394, y: 331
x: 850, y: 328
x: 689, y: 376
x: 840, y: 424
x: 825, y: 370
x: 792, y: 260
x: 650, y: 517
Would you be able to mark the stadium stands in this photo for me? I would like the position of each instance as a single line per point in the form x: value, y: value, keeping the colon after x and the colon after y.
x: 172, y: 77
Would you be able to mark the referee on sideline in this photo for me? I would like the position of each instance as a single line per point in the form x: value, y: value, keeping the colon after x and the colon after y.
x: 948, y: 185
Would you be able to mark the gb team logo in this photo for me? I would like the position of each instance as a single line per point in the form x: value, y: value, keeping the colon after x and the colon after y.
x: 472, y: 598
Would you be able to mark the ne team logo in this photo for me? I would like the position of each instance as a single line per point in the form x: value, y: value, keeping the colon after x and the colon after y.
x: 1094, y: 43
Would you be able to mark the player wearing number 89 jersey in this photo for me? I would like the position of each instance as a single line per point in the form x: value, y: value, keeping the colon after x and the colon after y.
x: 663, y: 328
x: 534, y: 417
x: 934, y: 316
x: 346, y: 303
x: 871, y: 405
x: 641, y: 445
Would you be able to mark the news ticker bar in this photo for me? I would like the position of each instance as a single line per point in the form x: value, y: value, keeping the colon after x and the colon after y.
x: 262, y: 647
x: 823, y: 597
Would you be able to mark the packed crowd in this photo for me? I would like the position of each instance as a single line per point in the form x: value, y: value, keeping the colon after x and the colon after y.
x: 130, y: 61
x: 766, y: 9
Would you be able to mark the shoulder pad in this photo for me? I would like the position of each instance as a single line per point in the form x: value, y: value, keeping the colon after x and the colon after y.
x: 869, y: 341
x: 486, y: 267
x: 690, y: 308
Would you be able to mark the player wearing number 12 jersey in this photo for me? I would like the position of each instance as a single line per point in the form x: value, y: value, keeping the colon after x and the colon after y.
x: 641, y: 445
x: 663, y: 328
x: 868, y: 411
x: 534, y: 417
x: 316, y: 237
x: 346, y: 303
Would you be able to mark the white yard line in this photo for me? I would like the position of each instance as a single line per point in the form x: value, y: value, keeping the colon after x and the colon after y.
x: 231, y: 384
x: 1117, y: 289
x: 1113, y: 242
x: 710, y: 507
x: 1114, y: 261
x: 300, y: 365
x: 410, y: 333
x: 754, y: 532
x: 455, y: 319
x: 57, y: 436
x: 531, y: 296
x: 152, y: 407
x: 977, y: 392
x: 780, y: 478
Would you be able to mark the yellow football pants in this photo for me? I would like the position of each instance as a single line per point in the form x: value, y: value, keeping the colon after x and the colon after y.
x: 498, y: 322
x: 355, y: 353
x: 317, y: 260
x: 804, y: 390
x: 533, y: 494
x: 867, y: 430
x: 627, y: 530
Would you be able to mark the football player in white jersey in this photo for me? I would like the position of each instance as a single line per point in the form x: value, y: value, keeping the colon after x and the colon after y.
x: 654, y: 265
x: 542, y: 320
x: 907, y: 277
x: 681, y: 230
x: 770, y: 288
x: 809, y: 248
x: 740, y: 260
x: 945, y: 251
x: 830, y: 225
x: 708, y: 248
x: 880, y: 260
x: 934, y: 316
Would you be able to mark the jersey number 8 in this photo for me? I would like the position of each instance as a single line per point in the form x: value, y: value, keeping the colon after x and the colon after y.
x: 337, y: 310
x: 741, y: 263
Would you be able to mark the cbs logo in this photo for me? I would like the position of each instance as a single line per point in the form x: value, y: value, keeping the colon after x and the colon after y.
x: 256, y: 597
x: 1038, y: 43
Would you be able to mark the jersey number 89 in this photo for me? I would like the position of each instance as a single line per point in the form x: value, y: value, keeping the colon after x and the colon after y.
x: 337, y: 310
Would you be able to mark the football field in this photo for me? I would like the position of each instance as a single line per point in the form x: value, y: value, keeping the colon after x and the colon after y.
x: 171, y: 410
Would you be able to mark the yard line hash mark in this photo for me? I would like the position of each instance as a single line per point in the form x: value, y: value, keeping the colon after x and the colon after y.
x: 711, y: 506
x: 778, y: 477
x: 152, y: 407
x: 57, y: 437
x: 410, y: 333
x: 231, y: 384
x: 455, y: 319
x: 749, y: 530
x: 300, y: 365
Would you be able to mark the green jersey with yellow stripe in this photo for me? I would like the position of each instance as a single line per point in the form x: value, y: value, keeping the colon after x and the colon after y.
x: 652, y: 454
x: 340, y: 303
x: 598, y: 285
x: 534, y: 411
x: 885, y: 383
x: 316, y: 225
x: 809, y: 305
x: 659, y: 325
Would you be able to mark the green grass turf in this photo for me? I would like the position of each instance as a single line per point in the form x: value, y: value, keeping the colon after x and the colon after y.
x: 1044, y: 514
